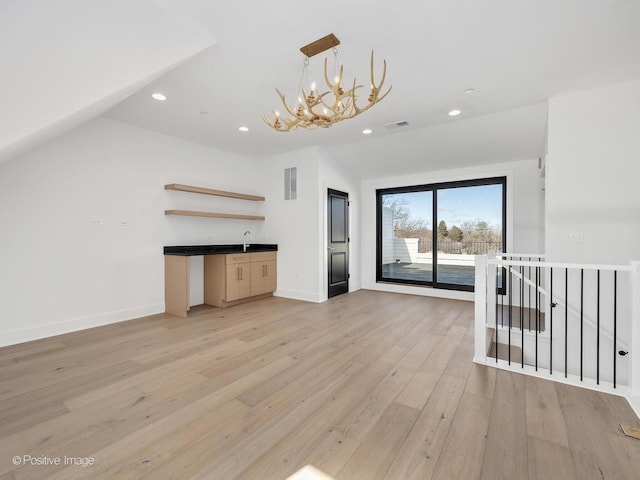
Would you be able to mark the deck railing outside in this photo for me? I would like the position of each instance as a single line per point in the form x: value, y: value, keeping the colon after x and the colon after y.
x: 449, y: 246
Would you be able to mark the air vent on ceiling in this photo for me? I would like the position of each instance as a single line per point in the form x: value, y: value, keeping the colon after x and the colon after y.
x: 391, y: 126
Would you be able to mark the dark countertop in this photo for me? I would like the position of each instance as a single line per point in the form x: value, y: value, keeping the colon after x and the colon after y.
x: 190, y: 250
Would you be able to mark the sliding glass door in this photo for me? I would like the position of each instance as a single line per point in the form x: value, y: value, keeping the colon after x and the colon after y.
x: 429, y: 234
x: 406, y: 236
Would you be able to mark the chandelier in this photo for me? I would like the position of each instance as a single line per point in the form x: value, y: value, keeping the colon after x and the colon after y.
x: 322, y: 109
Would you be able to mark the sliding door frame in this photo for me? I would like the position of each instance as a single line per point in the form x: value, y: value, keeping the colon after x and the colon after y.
x: 434, y: 188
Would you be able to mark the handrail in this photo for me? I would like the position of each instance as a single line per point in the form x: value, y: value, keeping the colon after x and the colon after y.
x: 578, y: 266
x: 529, y: 255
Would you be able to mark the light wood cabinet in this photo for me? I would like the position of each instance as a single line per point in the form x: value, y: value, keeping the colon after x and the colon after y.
x: 176, y: 285
x: 234, y: 278
x: 238, y: 277
x: 263, y: 273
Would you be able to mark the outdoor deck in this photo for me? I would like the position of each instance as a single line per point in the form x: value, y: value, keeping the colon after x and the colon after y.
x: 455, y: 274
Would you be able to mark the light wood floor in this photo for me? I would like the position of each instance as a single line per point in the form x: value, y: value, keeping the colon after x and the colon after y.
x: 365, y: 386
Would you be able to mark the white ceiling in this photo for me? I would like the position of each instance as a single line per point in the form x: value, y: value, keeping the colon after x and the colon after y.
x: 514, y: 53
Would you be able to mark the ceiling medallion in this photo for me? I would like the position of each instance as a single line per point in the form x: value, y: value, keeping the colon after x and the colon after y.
x: 322, y: 109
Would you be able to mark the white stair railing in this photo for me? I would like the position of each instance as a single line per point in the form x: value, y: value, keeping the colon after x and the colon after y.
x: 586, y: 320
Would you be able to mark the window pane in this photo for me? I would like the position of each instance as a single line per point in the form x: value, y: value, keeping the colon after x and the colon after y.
x: 406, y: 236
x: 469, y: 224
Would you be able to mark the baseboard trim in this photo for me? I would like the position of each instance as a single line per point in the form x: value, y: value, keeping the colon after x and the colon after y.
x: 422, y: 291
x: 13, y: 337
x: 634, y: 403
x: 296, y: 295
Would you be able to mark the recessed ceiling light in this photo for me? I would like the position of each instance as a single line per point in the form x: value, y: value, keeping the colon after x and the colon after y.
x: 367, y: 131
x: 243, y: 129
x: 469, y: 91
x: 454, y: 113
x: 159, y: 96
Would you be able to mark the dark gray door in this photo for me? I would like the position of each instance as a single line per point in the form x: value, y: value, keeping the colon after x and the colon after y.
x: 338, y: 242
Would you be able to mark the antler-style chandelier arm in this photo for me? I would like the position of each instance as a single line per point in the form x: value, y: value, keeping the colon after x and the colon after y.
x: 374, y: 95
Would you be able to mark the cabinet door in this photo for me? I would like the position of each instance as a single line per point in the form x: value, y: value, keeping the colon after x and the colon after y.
x: 238, y: 281
x: 263, y: 277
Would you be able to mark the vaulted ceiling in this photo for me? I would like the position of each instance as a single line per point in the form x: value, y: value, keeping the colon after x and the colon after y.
x: 219, y: 63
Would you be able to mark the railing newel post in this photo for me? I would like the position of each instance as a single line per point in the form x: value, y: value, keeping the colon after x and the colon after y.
x: 634, y: 373
x: 482, y: 300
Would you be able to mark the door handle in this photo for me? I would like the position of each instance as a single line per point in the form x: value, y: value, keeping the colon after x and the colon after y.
x: 329, y: 248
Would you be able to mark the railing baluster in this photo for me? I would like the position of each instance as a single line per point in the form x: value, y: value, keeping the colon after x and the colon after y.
x: 581, y: 318
x: 598, y: 329
x: 551, y: 321
x: 615, y: 323
x: 521, y: 296
x: 529, y: 297
x: 499, y: 290
x: 566, y: 317
x: 537, y: 314
x: 510, y: 310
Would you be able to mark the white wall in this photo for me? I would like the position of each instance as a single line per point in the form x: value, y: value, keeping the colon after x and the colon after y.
x: 592, y: 173
x: 592, y: 200
x: 70, y: 60
x: 299, y: 226
x: 293, y: 224
x: 523, y: 215
x: 60, y: 272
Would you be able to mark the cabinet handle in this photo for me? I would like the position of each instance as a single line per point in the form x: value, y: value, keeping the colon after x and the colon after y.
x: 264, y: 270
x: 238, y: 274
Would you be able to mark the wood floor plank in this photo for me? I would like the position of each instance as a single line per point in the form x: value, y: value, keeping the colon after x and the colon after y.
x: 372, y: 459
x: 468, y: 434
x: 481, y: 381
x: 417, y: 392
x: 332, y: 453
x: 233, y: 462
x: 544, y: 416
x: 307, y: 371
x: 505, y: 454
x: 420, y: 452
x: 549, y: 460
x: 363, y: 418
x: 151, y: 378
x: 587, y: 422
x: 366, y: 385
x: 287, y: 457
x: 627, y: 453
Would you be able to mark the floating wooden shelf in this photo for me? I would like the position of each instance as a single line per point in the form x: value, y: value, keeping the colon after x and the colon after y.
x: 191, y: 213
x: 209, y: 191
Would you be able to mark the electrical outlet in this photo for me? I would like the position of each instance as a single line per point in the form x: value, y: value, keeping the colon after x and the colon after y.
x: 96, y: 221
x: 210, y: 236
x: 123, y: 223
x: 574, y: 237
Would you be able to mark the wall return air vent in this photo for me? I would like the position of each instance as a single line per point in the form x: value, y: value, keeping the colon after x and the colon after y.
x: 290, y: 183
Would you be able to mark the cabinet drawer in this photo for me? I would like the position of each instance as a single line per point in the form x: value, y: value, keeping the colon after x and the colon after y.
x: 263, y: 256
x: 238, y: 258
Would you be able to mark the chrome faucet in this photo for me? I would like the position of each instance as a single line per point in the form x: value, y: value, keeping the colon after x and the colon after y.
x: 244, y: 240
